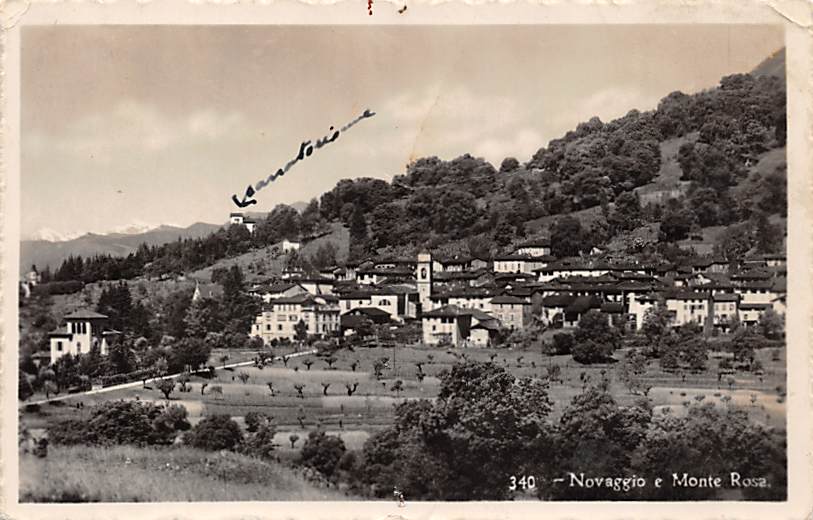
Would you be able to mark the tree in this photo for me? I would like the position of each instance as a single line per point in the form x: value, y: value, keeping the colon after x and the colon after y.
x: 215, y: 432
x: 630, y: 370
x: 379, y: 365
x: 566, y: 237
x: 322, y: 452
x: 254, y: 420
x: 656, y: 324
x: 397, y: 387
x: 301, y: 331
x: 484, y: 424
x: 351, y: 389
x: 508, y: 165
x: 771, y: 325
x: 595, y: 339
x: 325, y: 386
x: 293, y: 438
x: 675, y: 224
x: 330, y: 360
x: 165, y: 386
x: 243, y: 377
x: 595, y: 431
x: 299, y: 388
x: 24, y: 389
x: 308, y: 363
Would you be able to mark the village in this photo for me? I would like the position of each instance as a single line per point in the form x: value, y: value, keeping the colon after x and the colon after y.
x: 479, y: 302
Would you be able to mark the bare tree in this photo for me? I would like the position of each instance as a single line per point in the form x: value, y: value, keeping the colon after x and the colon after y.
x: 325, y: 386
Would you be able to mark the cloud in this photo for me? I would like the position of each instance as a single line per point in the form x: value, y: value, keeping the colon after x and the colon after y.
x: 135, y: 126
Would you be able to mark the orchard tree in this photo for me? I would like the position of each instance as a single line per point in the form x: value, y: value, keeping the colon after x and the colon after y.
x: 165, y: 386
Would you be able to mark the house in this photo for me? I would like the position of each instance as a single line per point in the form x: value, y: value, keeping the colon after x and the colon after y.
x: 466, y: 298
x: 316, y: 285
x: 535, y: 247
x: 374, y: 275
x: 280, y: 316
x: 290, y: 245
x: 751, y: 312
x: 284, y: 289
x: 511, y: 311
x: 553, y: 308
x: 566, y: 268
x: 520, y: 263
x: 446, y: 325
x: 725, y: 310
x: 241, y: 220
x: 689, y: 307
x: 354, y: 320
x: 83, y: 330
x: 485, y: 329
x: 580, y: 306
x: 451, y: 265
x: 206, y: 290
x: 456, y: 326
x: 638, y: 305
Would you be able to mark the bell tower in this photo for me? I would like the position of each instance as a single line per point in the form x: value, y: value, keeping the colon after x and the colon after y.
x: 425, y: 280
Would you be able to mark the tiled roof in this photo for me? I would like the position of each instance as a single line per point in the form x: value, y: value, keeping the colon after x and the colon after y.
x: 85, y: 314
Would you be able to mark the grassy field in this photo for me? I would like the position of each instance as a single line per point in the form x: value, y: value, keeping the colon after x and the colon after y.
x: 130, y: 474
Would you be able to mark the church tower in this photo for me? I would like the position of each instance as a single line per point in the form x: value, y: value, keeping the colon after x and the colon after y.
x: 425, y: 280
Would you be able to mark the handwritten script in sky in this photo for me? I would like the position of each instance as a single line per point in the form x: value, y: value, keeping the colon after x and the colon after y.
x: 305, y: 150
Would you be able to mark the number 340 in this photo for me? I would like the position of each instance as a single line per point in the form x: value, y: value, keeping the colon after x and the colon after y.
x: 524, y: 482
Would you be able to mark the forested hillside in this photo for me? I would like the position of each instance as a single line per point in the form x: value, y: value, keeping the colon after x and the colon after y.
x: 469, y: 205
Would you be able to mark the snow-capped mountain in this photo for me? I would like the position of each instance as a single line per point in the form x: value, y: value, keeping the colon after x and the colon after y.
x: 48, y: 247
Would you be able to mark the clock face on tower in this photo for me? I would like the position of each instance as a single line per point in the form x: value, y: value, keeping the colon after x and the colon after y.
x: 423, y: 273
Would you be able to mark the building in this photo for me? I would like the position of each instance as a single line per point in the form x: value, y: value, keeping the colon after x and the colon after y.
x: 511, y: 311
x: 289, y: 245
x: 424, y: 274
x: 520, y: 263
x: 447, y: 325
x: 459, y: 327
x: 638, y: 305
x: 206, y: 290
x: 82, y: 331
x: 689, y: 307
x: 353, y: 321
x: 535, y: 247
x: 278, y: 320
x: 725, y: 311
x: 241, y: 220
x: 276, y: 290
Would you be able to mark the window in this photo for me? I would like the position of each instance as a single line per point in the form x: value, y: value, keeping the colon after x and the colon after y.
x: 59, y: 346
x: 268, y: 327
x: 279, y: 327
x: 79, y: 346
x: 292, y: 317
x: 434, y: 328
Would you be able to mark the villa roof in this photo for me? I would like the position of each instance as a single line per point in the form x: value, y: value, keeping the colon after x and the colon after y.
x: 85, y: 314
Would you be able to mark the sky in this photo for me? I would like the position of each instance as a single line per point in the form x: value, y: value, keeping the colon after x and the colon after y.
x: 137, y: 126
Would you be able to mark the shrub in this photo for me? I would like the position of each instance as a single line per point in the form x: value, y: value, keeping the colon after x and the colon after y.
x: 216, y: 432
x: 322, y: 452
x: 562, y: 343
x: 70, y: 432
x: 254, y: 420
x: 122, y: 422
x: 261, y: 443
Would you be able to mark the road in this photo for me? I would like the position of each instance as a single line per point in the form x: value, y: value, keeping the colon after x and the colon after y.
x: 134, y: 384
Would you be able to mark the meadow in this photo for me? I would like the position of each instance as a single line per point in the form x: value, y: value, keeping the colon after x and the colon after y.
x: 172, y: 474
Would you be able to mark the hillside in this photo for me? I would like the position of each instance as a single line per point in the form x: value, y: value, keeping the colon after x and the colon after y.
x: 130, y: 474
x: 44, y: 253
x: 269, y: 261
